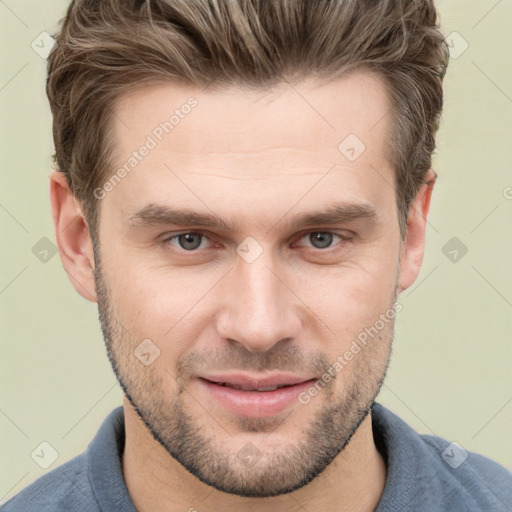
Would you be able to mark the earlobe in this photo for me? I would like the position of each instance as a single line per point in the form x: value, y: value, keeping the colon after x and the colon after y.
x: 413, y: 247
x: 72, y: 235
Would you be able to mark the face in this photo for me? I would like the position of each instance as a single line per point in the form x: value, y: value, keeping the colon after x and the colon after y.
x: 251, y: 245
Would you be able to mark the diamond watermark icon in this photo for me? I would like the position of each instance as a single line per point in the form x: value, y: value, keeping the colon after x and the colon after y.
x: 43, y: 44
x: 248, y: 455
x: 249, y: 250
x: 146, y: 352
x: 351, y: 147
x: 44, y: 455
x: 44, y: 250
x: 454, y: 249
x: 454, y: 455
x: 457, y: 45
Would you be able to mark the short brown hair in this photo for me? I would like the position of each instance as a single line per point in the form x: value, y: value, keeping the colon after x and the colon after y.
x: 106, y: 47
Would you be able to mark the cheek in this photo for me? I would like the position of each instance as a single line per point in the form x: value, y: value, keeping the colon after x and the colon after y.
x: 358, y: 310
x: 161, y: 303
x: 169, y: 304
x: 349, y: 298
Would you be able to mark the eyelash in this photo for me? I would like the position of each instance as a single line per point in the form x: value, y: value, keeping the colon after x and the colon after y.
x: 168, y: 239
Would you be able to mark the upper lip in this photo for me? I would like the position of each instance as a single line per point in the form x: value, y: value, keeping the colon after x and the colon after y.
x: 255, y: 382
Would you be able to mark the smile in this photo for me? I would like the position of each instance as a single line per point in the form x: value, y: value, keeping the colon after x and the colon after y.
x: 254, y: 397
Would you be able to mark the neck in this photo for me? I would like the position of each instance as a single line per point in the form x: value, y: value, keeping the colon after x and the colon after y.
x: 157, y: 482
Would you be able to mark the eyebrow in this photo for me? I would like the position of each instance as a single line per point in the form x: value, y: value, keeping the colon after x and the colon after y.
x: 160, y: 215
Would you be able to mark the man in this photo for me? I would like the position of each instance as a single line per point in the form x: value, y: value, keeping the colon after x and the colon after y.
x: 243, y: 188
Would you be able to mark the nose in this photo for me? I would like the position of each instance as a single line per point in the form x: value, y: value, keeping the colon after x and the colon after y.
x: 258, y: 309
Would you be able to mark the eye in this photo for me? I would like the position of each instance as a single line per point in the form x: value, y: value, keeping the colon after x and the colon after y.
x: 191, y: 241
x: 321, y: 239
x: 188, y: 241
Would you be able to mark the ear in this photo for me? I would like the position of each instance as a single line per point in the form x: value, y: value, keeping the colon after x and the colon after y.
x: 73, y: 238
x: 413, y: 247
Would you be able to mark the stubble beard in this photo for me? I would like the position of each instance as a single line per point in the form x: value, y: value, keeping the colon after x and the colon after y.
x: 265, y: 473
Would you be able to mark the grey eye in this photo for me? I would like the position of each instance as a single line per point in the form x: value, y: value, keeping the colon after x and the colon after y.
x: 189, y: 241
x: 320, y: 239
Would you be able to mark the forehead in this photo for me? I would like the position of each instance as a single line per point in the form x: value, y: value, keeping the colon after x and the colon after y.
x: 307, y: 115
x: 252, y: 142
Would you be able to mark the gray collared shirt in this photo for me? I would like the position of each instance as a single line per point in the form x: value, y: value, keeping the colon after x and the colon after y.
x: 424, y: 474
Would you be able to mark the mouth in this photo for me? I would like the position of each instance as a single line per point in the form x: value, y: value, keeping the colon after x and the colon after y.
x: 255, y: 397
x: 250, y: 388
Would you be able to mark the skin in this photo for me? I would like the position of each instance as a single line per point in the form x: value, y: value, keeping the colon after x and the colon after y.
x: 261, y: 158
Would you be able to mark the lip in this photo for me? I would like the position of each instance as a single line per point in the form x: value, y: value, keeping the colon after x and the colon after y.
x: 253, y: 403
x: 248, y: 381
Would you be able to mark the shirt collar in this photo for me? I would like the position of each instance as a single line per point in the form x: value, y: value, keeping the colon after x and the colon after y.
x: 409, y: 472
x: 411, y: 467
x: 104, y: 455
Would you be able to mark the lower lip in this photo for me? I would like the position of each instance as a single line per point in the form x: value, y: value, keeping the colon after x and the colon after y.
x: 255, y: 404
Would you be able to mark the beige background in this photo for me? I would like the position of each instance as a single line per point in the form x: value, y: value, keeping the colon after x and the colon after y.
x: 451, y: 369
